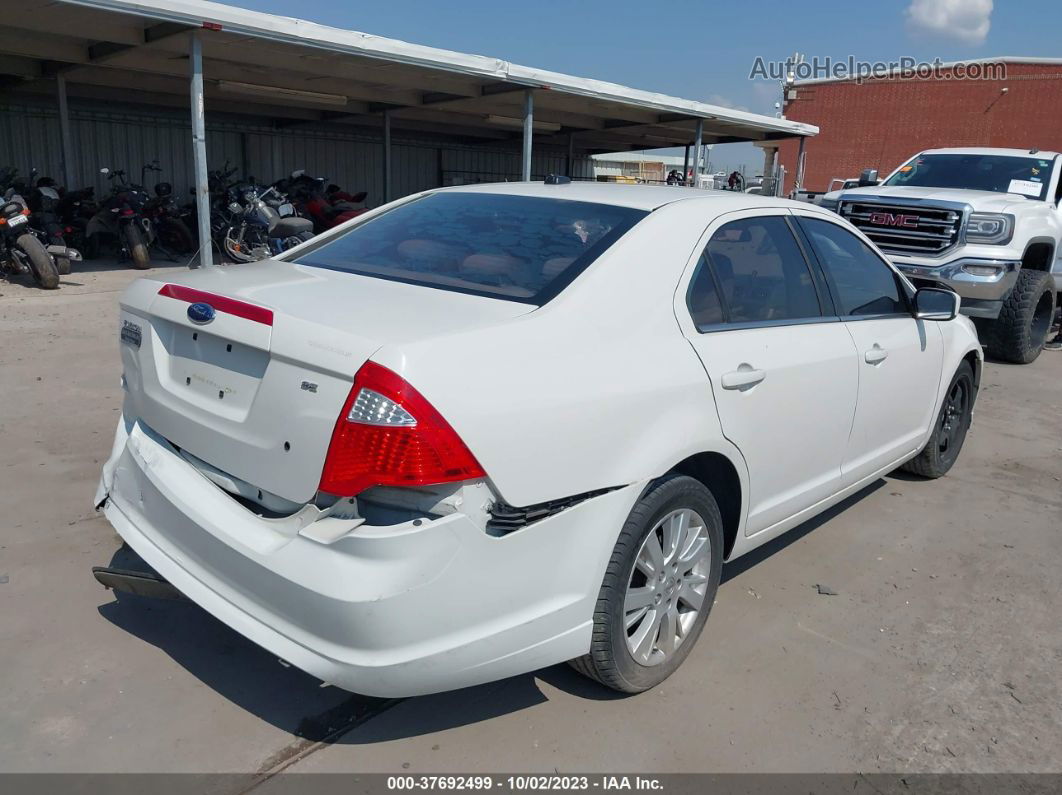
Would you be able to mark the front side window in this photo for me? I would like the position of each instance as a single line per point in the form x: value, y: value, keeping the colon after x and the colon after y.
x: 1025, y: 176
x: 520, y: 248
x: 862, y: 283
x: 759, y: 271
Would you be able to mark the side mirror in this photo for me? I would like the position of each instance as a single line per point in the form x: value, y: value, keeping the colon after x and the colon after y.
x: 868, y: 177
x: 932, y: 303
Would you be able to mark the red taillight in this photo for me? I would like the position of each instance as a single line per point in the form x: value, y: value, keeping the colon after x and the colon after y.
x: 388, y: 434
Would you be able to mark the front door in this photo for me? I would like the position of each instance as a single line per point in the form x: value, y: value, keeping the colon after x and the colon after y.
x: 899, y: 357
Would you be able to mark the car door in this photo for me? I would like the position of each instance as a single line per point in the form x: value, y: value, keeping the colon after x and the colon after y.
x: 900, y: 358
x: 781, y: 365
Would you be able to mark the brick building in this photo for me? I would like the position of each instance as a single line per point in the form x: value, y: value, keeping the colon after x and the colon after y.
x: 881, y: 122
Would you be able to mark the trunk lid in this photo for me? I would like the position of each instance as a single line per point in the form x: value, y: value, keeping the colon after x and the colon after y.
x: 256, y: 390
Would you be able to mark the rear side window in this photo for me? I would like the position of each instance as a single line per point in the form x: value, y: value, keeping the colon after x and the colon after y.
x: 520, y: 248
x: 861, y: 282
x: 758, y: 273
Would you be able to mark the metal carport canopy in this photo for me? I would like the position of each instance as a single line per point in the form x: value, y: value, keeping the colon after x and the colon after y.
x: 293, y: 71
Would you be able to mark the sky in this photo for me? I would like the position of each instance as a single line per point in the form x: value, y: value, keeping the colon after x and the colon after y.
x: 699, y: 50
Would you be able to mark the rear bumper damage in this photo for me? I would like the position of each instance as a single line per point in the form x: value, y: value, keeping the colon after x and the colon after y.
x: 420, y: 606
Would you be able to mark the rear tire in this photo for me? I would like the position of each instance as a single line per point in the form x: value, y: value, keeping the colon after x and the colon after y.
x: 644, y: 625
x: 42, y: 266
x: 138, y: 251
x: 949, y: 431
x: 175, y: 235
x: 1019, y: 333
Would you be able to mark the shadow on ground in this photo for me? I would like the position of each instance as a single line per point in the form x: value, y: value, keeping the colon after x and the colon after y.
x: 296, y: 702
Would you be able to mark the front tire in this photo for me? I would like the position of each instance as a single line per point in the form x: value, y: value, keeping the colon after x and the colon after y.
x: 949, y: 432
x: 42, y: 266
x: 138, y: 251
x: 659, y: 587
x: 1018, y: 334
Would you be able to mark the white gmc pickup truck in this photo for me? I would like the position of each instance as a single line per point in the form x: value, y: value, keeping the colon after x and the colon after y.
x: 986, y: 223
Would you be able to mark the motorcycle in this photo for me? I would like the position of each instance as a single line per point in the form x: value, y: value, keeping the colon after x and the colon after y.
x: 328, y: 207
x: 257, y: 223
x: 172, y: 234
x: 21, y: 251
x: 121, y: 220
x: 76, y: 209
x: 44, y: 200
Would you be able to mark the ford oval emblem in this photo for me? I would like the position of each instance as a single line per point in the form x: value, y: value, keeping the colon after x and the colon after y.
x: 200, y: 313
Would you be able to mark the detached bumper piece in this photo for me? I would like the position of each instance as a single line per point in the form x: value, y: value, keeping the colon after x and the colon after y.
x: 505, y: 518
x: 141, y: 583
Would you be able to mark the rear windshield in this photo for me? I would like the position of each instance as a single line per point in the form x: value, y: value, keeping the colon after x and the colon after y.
x: 520, y: 248
x: 1027, y: 176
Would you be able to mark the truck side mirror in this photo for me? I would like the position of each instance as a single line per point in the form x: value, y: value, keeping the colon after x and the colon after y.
x: 868, y: 177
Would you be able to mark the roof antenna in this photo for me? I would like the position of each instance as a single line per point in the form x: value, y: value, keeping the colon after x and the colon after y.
x: 556, y: 179
x: 1033, y: 151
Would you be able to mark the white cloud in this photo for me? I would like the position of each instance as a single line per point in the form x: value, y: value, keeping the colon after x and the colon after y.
x: 965, y: 20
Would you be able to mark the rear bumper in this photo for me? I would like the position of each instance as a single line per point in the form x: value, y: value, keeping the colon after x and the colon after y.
x: 387, y: 611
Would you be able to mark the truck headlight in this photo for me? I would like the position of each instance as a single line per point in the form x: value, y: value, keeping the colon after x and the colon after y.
x: 992, y: 228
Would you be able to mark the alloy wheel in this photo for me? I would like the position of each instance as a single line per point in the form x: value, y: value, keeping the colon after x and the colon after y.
x: 665, y: 592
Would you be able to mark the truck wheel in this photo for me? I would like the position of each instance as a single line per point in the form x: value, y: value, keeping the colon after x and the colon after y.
x: 41, y: 264
x: 949, y: 432
x: 659, y: 586
x: 1019, y: 332
x: 137, y: 247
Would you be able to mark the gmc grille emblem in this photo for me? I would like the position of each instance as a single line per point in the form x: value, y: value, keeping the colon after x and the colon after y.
x: 891, y: 219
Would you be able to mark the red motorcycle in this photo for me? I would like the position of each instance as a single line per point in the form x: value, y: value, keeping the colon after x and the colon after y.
x: 327, y: 207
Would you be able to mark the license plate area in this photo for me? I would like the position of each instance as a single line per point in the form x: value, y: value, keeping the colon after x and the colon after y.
x: 212, y: 372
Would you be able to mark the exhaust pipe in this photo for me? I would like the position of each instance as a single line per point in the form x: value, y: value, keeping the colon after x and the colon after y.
x: 71, y: 254
x: 141, y: 583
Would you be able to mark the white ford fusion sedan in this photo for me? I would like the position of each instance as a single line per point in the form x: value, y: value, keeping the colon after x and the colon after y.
x: 486, y: 429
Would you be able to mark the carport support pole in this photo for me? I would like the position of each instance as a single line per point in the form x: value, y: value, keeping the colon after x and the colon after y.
x: 697, y: 149
x: 202, y: 189
x: 64, y: 132
x: 799, y: 183
x: 686, y: 165
x: 387, y: 156
x: 529, y: 113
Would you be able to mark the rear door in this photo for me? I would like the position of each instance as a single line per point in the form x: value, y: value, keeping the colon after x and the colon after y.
x: 782, y: 367
x: 899, y: 357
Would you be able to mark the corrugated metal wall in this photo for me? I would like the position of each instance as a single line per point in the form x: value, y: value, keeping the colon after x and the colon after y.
x: 29, y: 137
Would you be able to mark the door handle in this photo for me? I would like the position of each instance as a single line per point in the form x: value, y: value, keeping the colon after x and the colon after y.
x: 876, y: 355
x: 743, y: 377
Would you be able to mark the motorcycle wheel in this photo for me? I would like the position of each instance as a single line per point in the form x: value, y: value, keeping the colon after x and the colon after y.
x: 90, y: 247
x: 239, y: 251
x: 138, y: 252
x: 40, y: 261
x: 175, y: 235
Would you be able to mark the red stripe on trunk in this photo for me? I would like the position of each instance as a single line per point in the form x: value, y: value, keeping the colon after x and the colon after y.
x: 221, y: 303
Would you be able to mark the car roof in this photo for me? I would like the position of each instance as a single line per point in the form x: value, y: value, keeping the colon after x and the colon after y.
x: 991, y: 150
x: 641, y: 197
